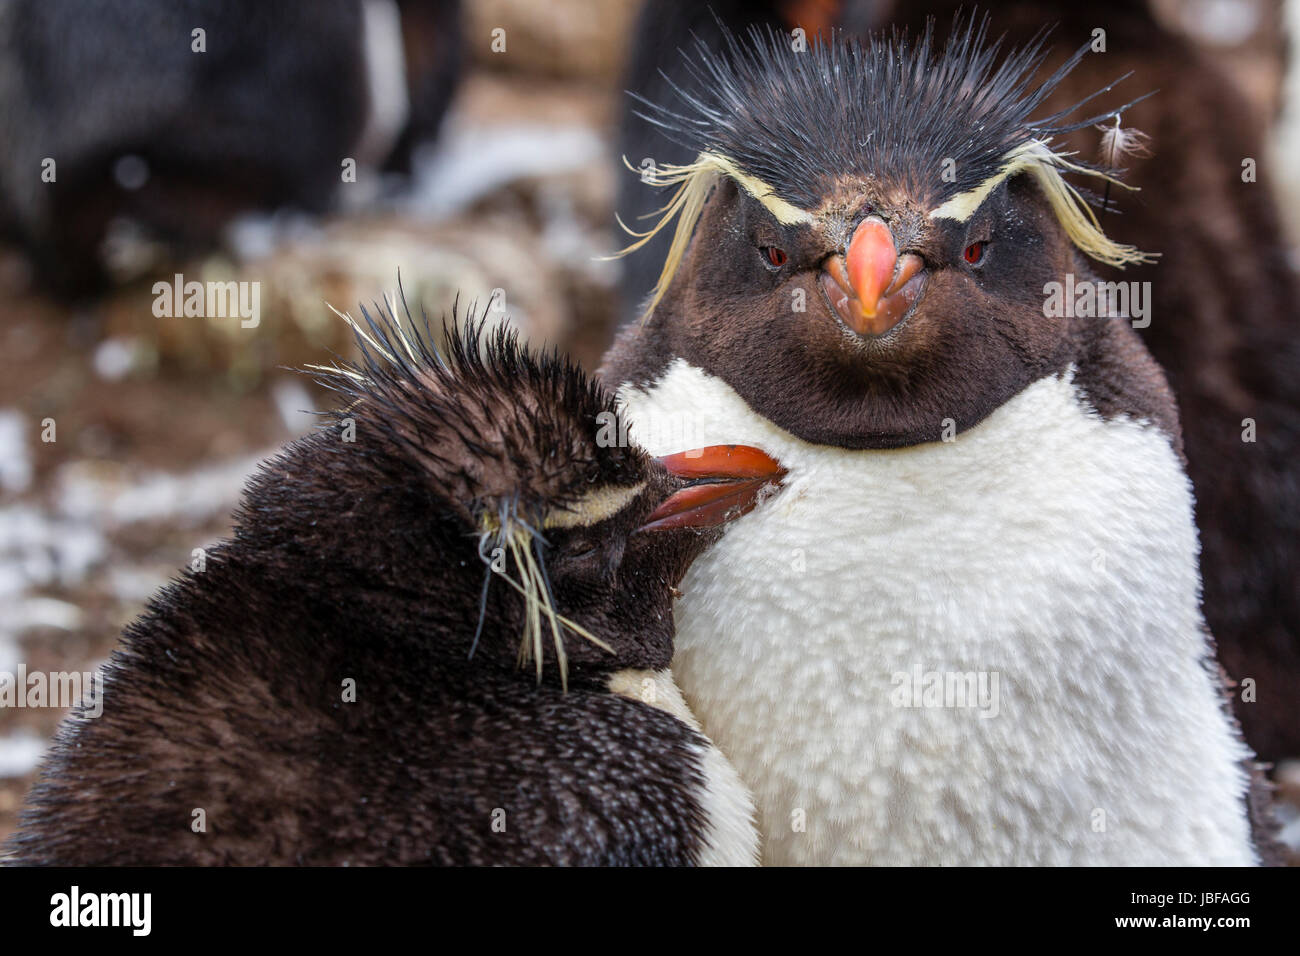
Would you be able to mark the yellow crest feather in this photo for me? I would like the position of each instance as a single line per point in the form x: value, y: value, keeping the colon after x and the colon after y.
x: 532, y: 585
x: 1039, y: 160
x: 694, y: 181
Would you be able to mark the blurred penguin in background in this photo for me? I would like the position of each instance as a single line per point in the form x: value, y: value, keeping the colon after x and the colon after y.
x: 178, y: 116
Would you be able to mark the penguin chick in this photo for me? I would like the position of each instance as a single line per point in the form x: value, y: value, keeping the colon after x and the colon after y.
x: 342, y: 684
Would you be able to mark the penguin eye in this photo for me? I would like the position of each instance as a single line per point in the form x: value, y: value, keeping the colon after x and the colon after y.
x: 775, y: 257
x: 586, y: 560
x: 580, y: 544
x: 974, y: 253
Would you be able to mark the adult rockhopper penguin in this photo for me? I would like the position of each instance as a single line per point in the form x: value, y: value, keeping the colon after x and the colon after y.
x: 1222, y: 315
x: 345, y: 682
x: 968, y: 629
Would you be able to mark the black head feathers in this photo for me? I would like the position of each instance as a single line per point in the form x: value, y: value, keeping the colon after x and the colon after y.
x: 794, y: 127
x: 798, y: 120
x: 505, y: 440
x: 493, y: 425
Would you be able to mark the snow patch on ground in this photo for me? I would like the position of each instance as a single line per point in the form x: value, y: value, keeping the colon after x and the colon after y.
x: 472, y: 161
x: 66, y: 541
x: 15, y: 458
x: 20, y: 753
x: 110, y: 501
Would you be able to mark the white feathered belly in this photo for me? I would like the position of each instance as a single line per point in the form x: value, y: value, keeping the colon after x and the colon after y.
x: 988, y: 651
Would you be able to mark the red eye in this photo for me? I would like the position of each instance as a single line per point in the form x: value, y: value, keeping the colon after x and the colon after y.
x: 974, y: 253
x: 776, y: 256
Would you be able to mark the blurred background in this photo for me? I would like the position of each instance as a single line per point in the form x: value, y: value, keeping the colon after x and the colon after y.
x: 507, y: 200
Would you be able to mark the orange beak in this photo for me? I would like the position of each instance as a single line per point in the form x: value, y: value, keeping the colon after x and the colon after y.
x: 725, y: 483
x: 871, y: 287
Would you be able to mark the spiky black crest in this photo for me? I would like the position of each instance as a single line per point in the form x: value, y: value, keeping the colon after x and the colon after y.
x: 885, y: 107
x: 506, y: 437
x: 495, y: 421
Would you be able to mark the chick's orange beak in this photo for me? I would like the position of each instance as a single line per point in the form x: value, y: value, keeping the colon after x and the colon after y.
x: 726, y: 482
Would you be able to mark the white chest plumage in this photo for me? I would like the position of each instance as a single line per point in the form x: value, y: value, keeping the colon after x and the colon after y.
x: 987, y: 651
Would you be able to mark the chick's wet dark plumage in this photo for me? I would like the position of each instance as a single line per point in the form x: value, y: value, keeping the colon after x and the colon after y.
x: 355, y: 565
